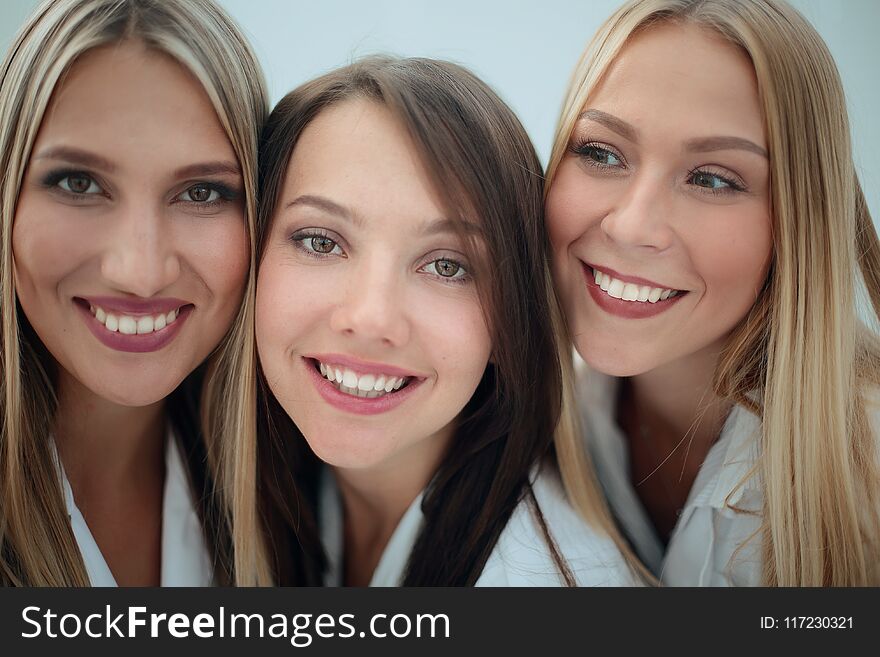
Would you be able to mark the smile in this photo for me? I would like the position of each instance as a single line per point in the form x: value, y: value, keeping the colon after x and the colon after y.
x: 355, y: 386
x: 629, y: 297
x: 132, y: 325
x: 368, y: 386
x: 619, y: 289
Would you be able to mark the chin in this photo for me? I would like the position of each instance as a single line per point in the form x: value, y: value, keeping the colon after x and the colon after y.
x: 611, y: 361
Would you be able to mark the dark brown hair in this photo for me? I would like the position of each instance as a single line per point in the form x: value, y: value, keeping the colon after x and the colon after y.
x: 486, y: 171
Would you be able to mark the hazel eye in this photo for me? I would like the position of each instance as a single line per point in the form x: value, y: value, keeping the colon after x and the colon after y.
x: 320, y: 244
x: 79, y: 183
x: 446, y: 268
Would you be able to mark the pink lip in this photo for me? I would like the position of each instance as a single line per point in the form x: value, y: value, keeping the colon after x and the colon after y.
x: 359, y: 405
x: 362, y: 366
x: 627, y: 309
x: 623, y: 277
x: 136, y: 306
x: 138, y: 344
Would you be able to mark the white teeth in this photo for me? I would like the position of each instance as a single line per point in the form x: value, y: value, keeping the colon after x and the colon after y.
x: 364, y: 385
x: 629, y: 291
x: 131, y: 325
x: 127, y: 325
x: 615, y: 289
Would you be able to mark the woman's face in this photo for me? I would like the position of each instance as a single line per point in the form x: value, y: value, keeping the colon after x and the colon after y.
x: 369, y: 328
x: 659, y: 213
x: 130, y: 242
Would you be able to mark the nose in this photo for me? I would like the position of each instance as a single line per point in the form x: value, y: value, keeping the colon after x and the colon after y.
x: 642, y: 216
x: 373, y: 309
x: 141, y: 256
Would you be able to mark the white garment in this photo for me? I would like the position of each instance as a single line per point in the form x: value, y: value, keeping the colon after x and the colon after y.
x: 185, y: 557
x: 712, y: 544
x: 521, y: 556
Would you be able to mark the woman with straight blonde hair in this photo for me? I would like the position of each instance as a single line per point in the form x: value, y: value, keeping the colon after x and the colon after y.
x: 710, y: 242
x: 128, y: 139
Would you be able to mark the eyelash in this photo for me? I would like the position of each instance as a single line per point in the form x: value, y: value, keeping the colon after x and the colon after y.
x: 300, y: 237
x: 584, y: 148
x: 224, y: 193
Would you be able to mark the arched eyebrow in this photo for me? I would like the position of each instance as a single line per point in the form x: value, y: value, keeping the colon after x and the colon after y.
x: 621, y: 127
x: 77, y: 157
x: 326, y: 205
x: 440, y: 226
x: 696, y: 145
x: 709, y: 144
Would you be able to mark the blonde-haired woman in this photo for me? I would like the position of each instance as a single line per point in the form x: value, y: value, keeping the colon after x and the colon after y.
x: 710, y: 238
x: 128, y: 135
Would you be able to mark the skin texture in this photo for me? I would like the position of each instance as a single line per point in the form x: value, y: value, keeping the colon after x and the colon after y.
x: 376, y: 296
x: 134, y: 230
x: 650, y: 201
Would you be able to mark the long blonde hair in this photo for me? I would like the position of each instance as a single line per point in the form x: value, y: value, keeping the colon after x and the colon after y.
x: 37, y: 546
x: 802, y: 351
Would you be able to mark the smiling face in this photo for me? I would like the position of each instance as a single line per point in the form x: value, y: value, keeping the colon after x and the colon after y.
x: 659, y: 212
x: 129, y: 239
x: 363, y: 282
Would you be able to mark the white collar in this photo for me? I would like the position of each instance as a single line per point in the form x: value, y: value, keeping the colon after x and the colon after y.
x: 395, y: 557
x: 185, y: 557
x: 728, y: 464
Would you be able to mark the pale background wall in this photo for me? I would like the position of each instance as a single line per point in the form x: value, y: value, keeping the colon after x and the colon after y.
x: 524, y: 49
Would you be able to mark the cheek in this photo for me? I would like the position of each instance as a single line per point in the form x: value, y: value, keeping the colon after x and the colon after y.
x: 573, y: 206
x: 45, y: 247
x: 733, y: 257
x: 217, y: 250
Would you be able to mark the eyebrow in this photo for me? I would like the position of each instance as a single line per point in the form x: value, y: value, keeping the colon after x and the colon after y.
x: 325, y: 205
x: 697, y: 145
x: 435, y: 227
x: 440, y: 226
x: 611, y: 122
x: 78, y: 157
x: 83, y: 158
x: 708, y: 144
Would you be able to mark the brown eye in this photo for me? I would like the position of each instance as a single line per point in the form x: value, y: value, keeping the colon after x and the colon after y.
x: 202, y: 193
x: 446, y: 268
x: 322, y: 244
x: 79, y: 183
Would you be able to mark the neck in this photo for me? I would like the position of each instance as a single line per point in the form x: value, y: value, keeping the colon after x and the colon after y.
x: 680, y: 396
x: 105, y: 446
x: 376, y: 498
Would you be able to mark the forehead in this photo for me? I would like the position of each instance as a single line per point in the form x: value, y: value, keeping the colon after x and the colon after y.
x: 126, y: 100
x: 358, y: 153
x: 683, y: 78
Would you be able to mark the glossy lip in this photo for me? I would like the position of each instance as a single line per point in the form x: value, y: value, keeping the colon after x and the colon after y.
x: 627, y: 309
x: 136, y: 307
x: 627, y: 279
x: 362, y: 366
x: 360, y: 405
x: 138, y: 344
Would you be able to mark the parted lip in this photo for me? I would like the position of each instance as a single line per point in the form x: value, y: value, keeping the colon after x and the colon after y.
x: 626, y: 278
x: 135, y: 306
x: 363, y: 366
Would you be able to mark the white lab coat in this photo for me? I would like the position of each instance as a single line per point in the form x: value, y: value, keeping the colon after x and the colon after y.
x: 712, y: 544
x: 185, y: 557
x: 520, y: 557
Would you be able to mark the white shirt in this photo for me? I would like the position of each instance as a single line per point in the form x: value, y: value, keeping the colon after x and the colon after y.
x: 521, y: 556
x: 712, y: 544
x: 185, y: 557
